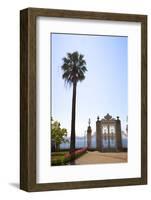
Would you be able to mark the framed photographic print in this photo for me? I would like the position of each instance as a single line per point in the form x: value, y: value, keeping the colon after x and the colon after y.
x: 83, y: 99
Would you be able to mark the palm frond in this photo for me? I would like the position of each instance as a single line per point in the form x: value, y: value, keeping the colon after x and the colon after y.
x: 73, y: 67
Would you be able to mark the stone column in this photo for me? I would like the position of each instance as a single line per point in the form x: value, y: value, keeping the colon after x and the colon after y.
x: 118, y: 135
x: 98, y: 135
x: 89, y: 132
x: 108, y: 130
x: 101, y: 137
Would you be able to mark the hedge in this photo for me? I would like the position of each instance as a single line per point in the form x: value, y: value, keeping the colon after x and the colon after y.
x: 69, y: 157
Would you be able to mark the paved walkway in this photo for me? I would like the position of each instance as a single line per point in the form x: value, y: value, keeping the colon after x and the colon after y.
x: 95, y: 157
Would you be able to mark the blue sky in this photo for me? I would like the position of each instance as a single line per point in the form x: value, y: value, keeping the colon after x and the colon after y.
x: 105, y: 88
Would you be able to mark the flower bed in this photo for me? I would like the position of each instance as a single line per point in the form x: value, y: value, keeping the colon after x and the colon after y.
x: 69, y: 157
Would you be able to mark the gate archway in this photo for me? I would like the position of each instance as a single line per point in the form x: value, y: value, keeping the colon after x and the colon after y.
x: 108, y: 134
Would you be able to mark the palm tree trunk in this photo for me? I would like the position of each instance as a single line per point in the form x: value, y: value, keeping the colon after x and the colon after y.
x: 72, y: 138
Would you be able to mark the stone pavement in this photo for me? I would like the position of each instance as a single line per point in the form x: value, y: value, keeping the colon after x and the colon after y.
x: 96, y: 157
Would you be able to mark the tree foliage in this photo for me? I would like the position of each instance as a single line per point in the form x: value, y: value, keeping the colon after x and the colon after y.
x: 58, y: 134
x: 74, y: 68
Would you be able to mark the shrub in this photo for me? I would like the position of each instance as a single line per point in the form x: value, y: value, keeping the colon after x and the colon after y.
x: 56, y: 162
x: 69, y: 157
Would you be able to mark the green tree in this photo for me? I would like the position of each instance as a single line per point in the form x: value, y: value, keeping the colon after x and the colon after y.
x: 74, y: 68
x: 58, y: 134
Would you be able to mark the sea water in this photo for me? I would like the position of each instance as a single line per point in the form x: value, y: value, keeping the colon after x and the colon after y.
x: 82, y: 142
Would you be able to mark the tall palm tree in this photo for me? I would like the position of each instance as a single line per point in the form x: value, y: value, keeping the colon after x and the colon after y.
x: 74, y: 68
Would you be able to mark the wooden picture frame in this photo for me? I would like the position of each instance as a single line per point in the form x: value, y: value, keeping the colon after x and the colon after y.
x: 28, y: 98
